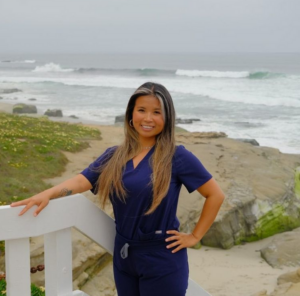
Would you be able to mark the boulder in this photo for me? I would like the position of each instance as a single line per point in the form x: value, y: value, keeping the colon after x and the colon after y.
x: 288, y: 284
x: 1, y: 98
x: 54, y: 113
x: 74, y: 116
x: 9, y: 90
x: 24, y: 108
x: 261, y: 186
x: 284, y: 250
x: 120, y: 118
x: 289, y: 277
x: 186, y: 121
x: 250, y: 141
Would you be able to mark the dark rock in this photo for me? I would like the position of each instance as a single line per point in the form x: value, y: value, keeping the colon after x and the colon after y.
x: 74, y: 116
x: 9, y: 90
x: 249, y: 141
x: 120, y: 118
x: 54, y: 113
x: 32, y: 99
x: 1, y: 98
x: 23, y: 108
x: 186, y: 121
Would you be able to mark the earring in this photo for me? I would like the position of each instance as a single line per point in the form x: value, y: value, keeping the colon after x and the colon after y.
x: 130, y: 123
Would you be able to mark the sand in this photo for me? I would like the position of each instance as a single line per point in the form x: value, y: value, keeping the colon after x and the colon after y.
x: 239, y: 271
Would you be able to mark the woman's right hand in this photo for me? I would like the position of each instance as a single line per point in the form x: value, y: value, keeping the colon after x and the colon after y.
x: 77, y: 184
x: 40, y: 200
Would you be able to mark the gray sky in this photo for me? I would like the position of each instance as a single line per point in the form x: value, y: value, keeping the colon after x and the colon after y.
x: 76, y: 26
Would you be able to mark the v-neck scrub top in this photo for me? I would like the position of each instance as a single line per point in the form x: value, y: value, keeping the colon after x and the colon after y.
x: 131, y: 221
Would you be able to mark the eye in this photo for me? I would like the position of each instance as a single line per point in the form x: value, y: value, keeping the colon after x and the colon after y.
x: 141, y: 110
x: 157, y: 112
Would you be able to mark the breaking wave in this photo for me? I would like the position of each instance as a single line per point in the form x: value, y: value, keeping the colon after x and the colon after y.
x: 51, y: 67
x: 229, y: 74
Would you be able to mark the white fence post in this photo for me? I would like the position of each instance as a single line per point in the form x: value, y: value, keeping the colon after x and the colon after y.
x: 55, y: 223
x: 58, y: 263
x: 17, y: 262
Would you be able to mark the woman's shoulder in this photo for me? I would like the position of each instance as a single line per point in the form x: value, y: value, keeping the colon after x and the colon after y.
x: 111, y: 150
x: 181, y: 151
x: 106, y: 155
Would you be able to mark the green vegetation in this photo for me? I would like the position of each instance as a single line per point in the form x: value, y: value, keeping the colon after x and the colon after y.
x: 35, y: 291
x: 297, y: 183
x: 30, y: 150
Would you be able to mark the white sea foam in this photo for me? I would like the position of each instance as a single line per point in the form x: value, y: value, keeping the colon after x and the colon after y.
x: 213, y: 74
x: 280, y: 92
x: 29, y: 61
x: 51, y: 67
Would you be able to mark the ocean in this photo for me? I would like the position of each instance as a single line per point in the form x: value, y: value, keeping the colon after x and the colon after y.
x: 245, y: 95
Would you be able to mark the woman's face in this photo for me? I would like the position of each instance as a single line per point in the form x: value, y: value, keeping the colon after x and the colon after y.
x: 147, y: 118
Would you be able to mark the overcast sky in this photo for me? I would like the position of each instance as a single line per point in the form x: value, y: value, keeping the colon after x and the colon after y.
x: 74, y: 26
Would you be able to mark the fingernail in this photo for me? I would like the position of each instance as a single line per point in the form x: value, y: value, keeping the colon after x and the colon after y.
x: 35, y: 214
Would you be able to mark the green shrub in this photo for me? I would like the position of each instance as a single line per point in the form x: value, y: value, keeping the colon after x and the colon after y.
x: 30, y: 150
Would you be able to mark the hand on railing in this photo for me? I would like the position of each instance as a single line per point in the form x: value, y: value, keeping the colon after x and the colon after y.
x: 40, y: 200
x: 71, y: 186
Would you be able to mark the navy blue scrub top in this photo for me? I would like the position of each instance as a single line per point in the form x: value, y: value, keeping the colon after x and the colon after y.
x: 130, y: 218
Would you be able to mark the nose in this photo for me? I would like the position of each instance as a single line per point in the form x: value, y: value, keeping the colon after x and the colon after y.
x: 148, y: 116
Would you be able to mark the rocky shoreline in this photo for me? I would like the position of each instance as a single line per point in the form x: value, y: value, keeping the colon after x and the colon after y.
x: 262, y: 188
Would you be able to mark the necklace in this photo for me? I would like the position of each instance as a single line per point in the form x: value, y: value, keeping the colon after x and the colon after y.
x: 147, y: 147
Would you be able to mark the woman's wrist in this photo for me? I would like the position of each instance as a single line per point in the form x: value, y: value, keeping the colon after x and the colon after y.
x: 198, y: 239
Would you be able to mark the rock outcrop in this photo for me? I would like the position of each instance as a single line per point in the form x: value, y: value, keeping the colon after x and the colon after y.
x: 54, y: 113
x: 284, y: 250
x: 9, y: 90
x: 186, y: 120
x: 288, y: 285
x: 261, y: 187
x: 121, y: 118
x: 250, y: 141
x: 24, y: 108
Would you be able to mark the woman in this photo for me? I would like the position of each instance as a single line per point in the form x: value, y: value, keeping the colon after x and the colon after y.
x: 142, y: 178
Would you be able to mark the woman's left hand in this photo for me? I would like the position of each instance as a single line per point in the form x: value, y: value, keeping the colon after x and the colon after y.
x: 180, y: 240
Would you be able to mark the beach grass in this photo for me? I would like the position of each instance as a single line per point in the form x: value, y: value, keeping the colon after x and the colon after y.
x: 31, y: 150
x: 35, y: 291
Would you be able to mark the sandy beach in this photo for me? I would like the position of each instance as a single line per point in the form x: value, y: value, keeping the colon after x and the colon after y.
x: 239, y: 271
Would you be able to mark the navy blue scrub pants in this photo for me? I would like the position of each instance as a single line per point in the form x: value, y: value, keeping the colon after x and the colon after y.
x: 150, y: 269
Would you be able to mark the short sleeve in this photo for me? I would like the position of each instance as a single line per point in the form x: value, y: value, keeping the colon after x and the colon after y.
x: 189, y: 170
x: 92, y: 172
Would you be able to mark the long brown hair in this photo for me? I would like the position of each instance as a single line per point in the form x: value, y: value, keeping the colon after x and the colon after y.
x: 110, y: 180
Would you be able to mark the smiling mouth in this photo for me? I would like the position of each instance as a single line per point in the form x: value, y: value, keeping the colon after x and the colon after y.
x: 147, y: 127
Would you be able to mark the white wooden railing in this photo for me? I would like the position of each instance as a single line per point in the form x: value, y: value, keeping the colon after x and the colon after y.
x: 55, y: 223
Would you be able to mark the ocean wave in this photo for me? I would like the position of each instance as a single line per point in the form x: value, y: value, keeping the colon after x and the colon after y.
x: 51, y: 67
x: 136, y: 72
x: 270, y: 94
x: 229, y: 74
x: 212, y: 74
x: 19, y: 62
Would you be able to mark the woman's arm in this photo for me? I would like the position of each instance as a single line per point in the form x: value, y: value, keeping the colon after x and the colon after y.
x: 214, y: 199
x: 71, y: 186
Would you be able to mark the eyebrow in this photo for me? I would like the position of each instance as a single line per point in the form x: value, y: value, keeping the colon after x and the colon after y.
x: 159, y: 108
